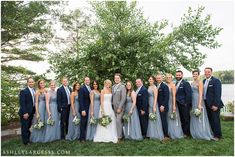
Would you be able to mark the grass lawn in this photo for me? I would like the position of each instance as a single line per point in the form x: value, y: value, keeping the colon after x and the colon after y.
x: 224, y: 147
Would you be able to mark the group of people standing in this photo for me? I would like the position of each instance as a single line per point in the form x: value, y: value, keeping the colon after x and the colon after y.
x: 171, y: 104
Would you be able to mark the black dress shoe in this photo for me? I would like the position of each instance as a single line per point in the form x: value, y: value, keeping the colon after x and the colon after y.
x: 27, y: 144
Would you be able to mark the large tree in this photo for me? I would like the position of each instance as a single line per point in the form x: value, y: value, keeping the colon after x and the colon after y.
x: 25, y: 31
x: 121, y: 39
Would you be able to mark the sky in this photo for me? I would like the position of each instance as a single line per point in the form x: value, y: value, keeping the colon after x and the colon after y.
x: 222, y: 15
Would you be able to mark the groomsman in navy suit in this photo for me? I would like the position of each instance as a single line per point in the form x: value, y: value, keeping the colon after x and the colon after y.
x: 184, y: 101
x: 212, y: 98
x: 142, y: 106
x: 63, y: 106
x: 27, y: 109
x: 162, y: 100
x: 84, y: 102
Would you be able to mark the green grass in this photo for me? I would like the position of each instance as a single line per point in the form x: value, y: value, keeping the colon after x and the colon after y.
x: 184, y: 147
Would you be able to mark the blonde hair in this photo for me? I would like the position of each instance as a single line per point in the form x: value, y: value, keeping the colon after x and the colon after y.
x: 172, y: 77
x: 168, y: 74
x: 52, y: 81
x: 108, y: 82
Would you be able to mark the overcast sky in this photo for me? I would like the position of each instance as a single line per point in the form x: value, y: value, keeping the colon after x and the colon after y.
x: 222, y: 15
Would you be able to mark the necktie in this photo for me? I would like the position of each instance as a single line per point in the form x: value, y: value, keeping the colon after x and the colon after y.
x: 68, y: 94
x: 176, y: 83
x: 33, y: 95
x: 205, y: 88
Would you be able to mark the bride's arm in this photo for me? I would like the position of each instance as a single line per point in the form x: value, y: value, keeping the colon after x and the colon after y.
x: 102, y: 102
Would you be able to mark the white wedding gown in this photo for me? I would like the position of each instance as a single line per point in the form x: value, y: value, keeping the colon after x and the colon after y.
x: 108, y: 133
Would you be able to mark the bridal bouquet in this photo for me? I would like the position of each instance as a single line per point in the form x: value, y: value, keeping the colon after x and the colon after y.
x: 76, y: 120
x: 39, y: 124
x: 93, y: 121
x: 152, y: 116
x: 197, y: 112
x: 126, y: 118
x: 105, y: 120
x: 173, y: 115
x: 50, y: 121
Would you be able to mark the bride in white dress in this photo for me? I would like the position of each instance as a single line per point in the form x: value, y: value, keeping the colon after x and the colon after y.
x: 108, y: 133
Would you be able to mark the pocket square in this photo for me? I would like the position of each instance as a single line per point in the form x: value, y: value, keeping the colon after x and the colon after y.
x: 160, y: 90
x: 139, y: 94
x: 181, y: 87
x: 210, y: 85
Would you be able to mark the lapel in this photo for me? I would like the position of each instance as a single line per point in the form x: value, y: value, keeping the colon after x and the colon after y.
x: 87, y: 91
x: 63, y: 90
x: 181, y: 83
x: 118, y: 86
x: 160, y: 87
x: 140, y: 90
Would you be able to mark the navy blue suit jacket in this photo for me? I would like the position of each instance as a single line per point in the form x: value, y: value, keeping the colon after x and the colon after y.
x: 184, y: 93
x: 26, y: 102
x: 163, y: 96
x: 142, y: 100
x: 84, y: 99
x: 213, y: 94
x: 62, y: 100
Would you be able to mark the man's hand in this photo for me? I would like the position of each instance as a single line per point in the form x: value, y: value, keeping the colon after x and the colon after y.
x: 26, y: 116
x: 119, y: 110
x: 162, y: 108
x: 142, y: 112
x: 214, y: 108
x: 83, y: 113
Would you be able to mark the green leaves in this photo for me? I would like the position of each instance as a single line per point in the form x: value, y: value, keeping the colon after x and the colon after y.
x: 25, y: 31
x: 121, y: 40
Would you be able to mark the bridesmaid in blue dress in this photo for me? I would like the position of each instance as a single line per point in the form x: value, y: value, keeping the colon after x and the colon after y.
x: 38, y: 135
x: 199, y: 126
x: 132, y: 129
x: 74, y: 130
x: 174, y: 125
x: 52, y: 131
x: 155, y: 130
x: 93, y: 111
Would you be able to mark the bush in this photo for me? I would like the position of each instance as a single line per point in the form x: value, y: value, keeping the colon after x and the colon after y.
x: 231, y: 106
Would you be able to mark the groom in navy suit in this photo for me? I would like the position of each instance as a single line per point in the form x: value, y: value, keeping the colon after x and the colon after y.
x: 162, y: 100
x: 142, y: 106
x: 63, y: 106
x: 27, y: 109
x: 84, y: 102
x: 184, y: 101
x: 212, y: 97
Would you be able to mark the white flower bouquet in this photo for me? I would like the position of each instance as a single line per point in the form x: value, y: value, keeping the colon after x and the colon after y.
x: 105, y: 120
x: 76, y: 120
x: 39, y: 124
x: 173, y: 116
x: 197, y: 112
x: 152, y: 116
x: 50, y: 121
x: 126, y: 118
x: 93, y: 121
